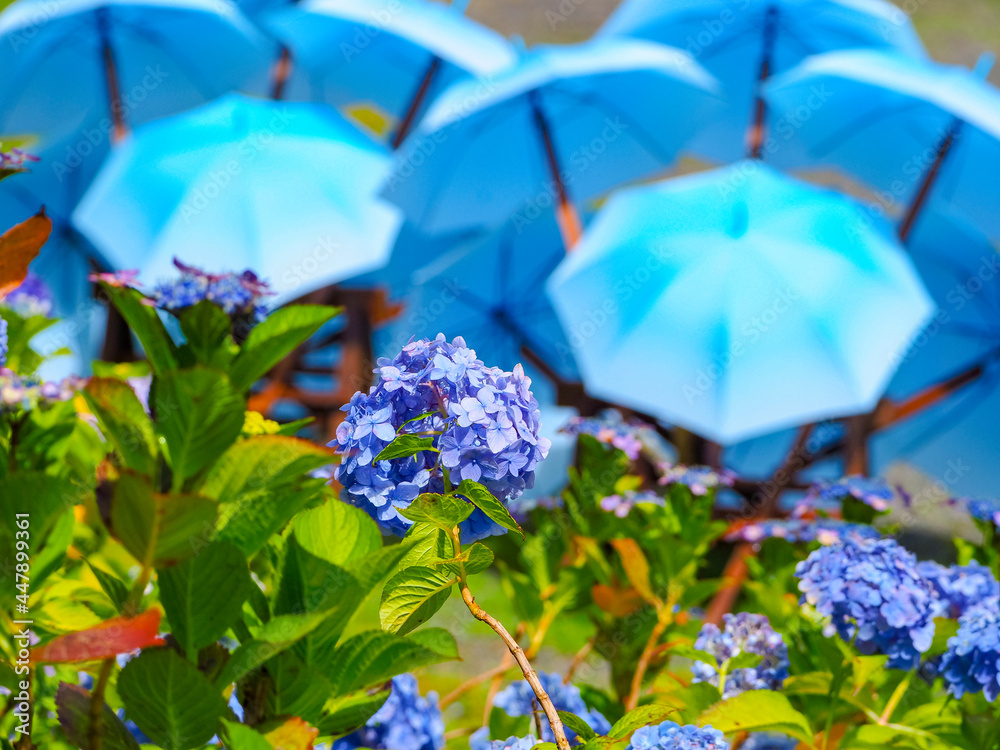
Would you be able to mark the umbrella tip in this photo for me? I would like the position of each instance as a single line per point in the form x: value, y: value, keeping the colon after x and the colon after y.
x: 460, y: 5
x: 741, y: 220
x: 985, y: 64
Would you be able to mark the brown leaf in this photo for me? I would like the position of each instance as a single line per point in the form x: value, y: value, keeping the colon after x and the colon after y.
x: 20, y: 245
x: 618, y: 602
x: 110, y: 638
x: 294, y: 734
x: 636, y: 568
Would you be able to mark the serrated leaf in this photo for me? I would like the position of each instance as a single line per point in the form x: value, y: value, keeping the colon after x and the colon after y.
x: 636, y: 568
x: 413, y: 596
x: 145, y: 322
x: 337, y: 532
x: 372, y: 657
x: 444, y: 511
x: 204, y: 595
x: 348, y: 712
x: 263, y: 462
x: 864, y: 667
x: 207, y: 330
x: 577, y: 725
x: 426, y: 544
x: 758, y: 711
x: 170, y: 700
x: 296, y: 689
x: 404, y: 446
x: 242, y: 737
x: 111, y: 585
x: 483, y: 499
x: 199, y: 414
x: 376, y: 566
x: 275, y: 338
x: 123, y: 421
x: 653, y: 713
x: 118, y: 635
x: 73, y: 711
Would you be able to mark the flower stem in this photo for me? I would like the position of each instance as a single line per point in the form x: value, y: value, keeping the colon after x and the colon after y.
x: 95, y: 728
x: 895, y: 698
x: 663, y: 620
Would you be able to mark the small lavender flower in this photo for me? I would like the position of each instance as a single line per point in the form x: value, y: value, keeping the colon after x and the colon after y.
x: 33, y: 297
x: 770, y: 741
x: 3, y: 342
x: 874, y: 596
x: 27, y: 391
x: 610, y: 427
x: 621, y: 505
x: 983, y: 509
x: 872, y: 491
x: 744, y: 633
x: 698, y: 479
x: 119, y: 279
x: 479, y: 740
x: 960, y: 586
x: 519, y: 700
x: 972, y: 662
x: 406, y: 721
x: 15, y: 159
x: 672, y: 736
x: 484, y: 423
x: 826, y: 531
x: 238, y: 294
x: 522, y: 507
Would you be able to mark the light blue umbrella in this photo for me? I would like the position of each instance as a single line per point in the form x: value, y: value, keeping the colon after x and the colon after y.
x: 393, y: 55
x: 900, y: 125
x: 744, y: 43
x: 65, y: 62
x: 491, y: 291
x: 286, y: 189
x: 737, y: 302
x: 565, y: 124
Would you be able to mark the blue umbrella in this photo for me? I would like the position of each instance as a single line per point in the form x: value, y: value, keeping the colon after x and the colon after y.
x: 286, y: 189
x: 393, y: 56
x: 566, y: 121
x: 913, y: 130
x: 78, y: 71
x: 737, y: 302
x: 491, y: 291
x: 744, y: 43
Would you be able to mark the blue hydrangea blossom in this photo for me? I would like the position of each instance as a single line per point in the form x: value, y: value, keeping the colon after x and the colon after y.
x: 872, y: 491
x: 406, y: 721
x: 610, y: 427
x: 621, y: 505
x: 826, y: 531
x: 31, y: 298
x: 3, y: 342
x: 972, y: 662
x: 28, y: 391
x: 698, y: 479
x: 874, y: 596
x: 769, y: 741
x: 960, y: 586
x: 519, y: 699
x: 479, y: 741
x: 983, y: 509
x: 672, y: 736
x: 744, y: 632
x: 238, y: 294
x: 484, y: 423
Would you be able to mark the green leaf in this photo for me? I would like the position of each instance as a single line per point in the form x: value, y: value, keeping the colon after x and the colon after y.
x: 944, y: 629
x: 337, y: 532
x: 444, y: 511
x: 653, y: 713
x: 296, y: 689
x: 204, y: 595
x: 171, y: 701
x: 865, y: 667
x: 503, y: 725
x: 123, y: 421
x: 636, y: 568
x: 744, y: 660
x: 207, y: 329
x: 758, y: 711
x: 348, y: 712
x: 274, y: 339
x: 242, y: 737
x: 258, y: 515
x: 147, y: 326
x: 263, y: 462
x: 405, y: 446
x: 200, y: 416
x: 577, y: 725
x: 376, y: 566
x: 483, y: 499
x: 73, y: 710
x: 162, y: 529
x: 113, y: 586
x: 372, y: 657
x: 413, y: 596
x: 426, y: 544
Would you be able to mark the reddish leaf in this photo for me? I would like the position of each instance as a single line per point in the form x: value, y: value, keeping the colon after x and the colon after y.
x: 112, y: 637
x: 618, y: 602
x: 19, y: 245
x: 294, y: 734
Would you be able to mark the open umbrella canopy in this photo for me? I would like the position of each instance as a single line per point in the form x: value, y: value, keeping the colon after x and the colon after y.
x: 391, y: 56
x: 736, y: 41
x: 888, y: 118
x: 286, y: 189
x: 492, y: 290
x: 737, y: 302
x: 65, y: 61
x: 583, y: 118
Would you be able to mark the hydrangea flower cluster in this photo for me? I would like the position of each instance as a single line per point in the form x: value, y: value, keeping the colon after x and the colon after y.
x: 770, y: 741
x: 826, y: 531
x: 621, y: 505
x: 972, y: 662
x: 484, y: 423
x: 511, y: 743
x: 873, y: 594
x: 15, y: 158
x: 960, y: 586
x: 672, y: 736
x: 984, y: 509
x: 749, y: 633
x: 698, y: 479
x: 519, y: 700
x: 33, y: 297
x: 406, y: 721
x: 27, y: 391
x: 872, y: 491
x: 119, y: 279
x: 3, y: 342
x: 610, y: 427
x: 238, y: 294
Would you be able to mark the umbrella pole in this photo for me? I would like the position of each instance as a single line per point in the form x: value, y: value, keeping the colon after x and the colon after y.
x: 889, y: 413
x: 930, y: 177
x: 111, y: 78
x: 566, y: 215
x: 282, y: 71
x: 755, y: 137
x: 416, y: 103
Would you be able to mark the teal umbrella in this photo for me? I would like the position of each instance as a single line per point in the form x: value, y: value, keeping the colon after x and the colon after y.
x: 737, y: 302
